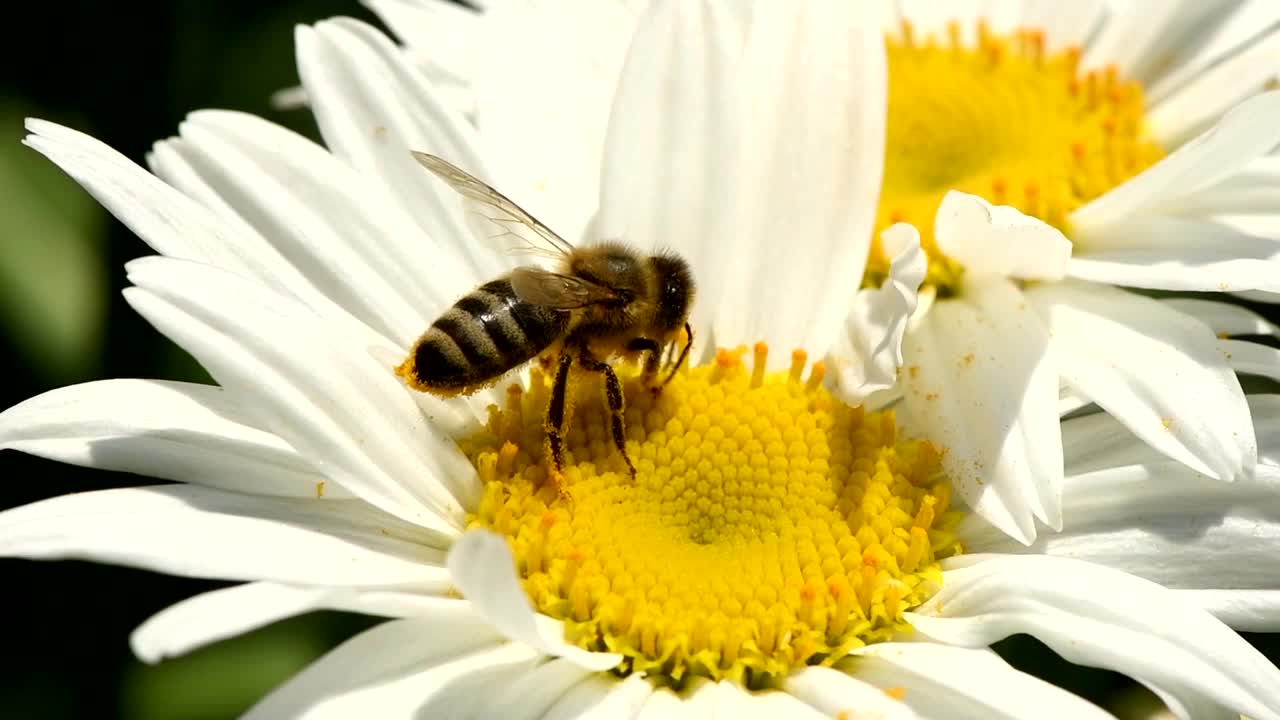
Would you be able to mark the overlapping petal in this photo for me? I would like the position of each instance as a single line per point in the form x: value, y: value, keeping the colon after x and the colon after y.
x: 1166, y: 523
x: 544, y: 84
x: 400, y: 667
x: 722, y: 191
x: 940, y: 681
x: 355, y: 245
x: 328, y: 400
x: 867, y: 355
x: 373, y: 107
x: 169, y: 430
x: 989, y: 405
x: 484, y: 570
x: 1096, y: 616
x: 999, y: 240
x: 225, y: 613
x: 1241, y: 136
x: 1157, y: 371
x: 201, y: 532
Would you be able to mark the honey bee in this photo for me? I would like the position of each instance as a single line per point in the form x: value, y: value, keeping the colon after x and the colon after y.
x: 604, y: 300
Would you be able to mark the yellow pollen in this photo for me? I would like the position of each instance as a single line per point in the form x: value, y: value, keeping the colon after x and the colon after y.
x: 770, y: 526
x: 1002, y: 118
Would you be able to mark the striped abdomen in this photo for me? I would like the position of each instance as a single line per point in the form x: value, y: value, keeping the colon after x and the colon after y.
x: 485, y: 334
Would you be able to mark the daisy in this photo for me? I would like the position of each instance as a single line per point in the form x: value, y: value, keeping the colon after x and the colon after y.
x: 774, y: 552
x: 1138, y: 134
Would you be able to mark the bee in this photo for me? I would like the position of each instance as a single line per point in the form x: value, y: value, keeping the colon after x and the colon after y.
x: 603, y: 300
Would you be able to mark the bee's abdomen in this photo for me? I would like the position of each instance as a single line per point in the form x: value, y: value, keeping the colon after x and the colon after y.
x: 485, y: 334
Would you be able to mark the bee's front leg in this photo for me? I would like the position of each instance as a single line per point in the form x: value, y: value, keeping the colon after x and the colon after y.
x: 652, y: 360
x: 684, y: 354
x: 613, y: 400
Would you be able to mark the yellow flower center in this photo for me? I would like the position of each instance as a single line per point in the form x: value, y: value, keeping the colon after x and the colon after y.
x: 770, y: 526
x: 1007, y: 121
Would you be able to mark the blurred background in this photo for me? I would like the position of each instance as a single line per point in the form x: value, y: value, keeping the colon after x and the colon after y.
x: 127, y: 74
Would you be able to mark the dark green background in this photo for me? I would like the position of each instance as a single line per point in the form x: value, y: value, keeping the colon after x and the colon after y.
x: 127, y: 74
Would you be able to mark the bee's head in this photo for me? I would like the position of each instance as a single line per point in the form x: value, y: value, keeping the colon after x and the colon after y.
x: 675, y: 292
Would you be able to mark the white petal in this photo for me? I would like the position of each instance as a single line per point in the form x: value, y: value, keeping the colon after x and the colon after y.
x: 393, y: 668
x: 602, y: 696
x: 1064, y: 24
x: 999, y: 240
x: 697, y: 700
x: 938, y: 681
x: 1170, y: 253
x: 373, y: 108
x: 1244, y: 27
x: 1223, y: 318
x: 1245, y: 133
x: 664, y: 181
x: 868, y: 354
x: 833, y: 692
x: 929, y: 19
x: 444, y: 32
x: 193, y: 531
x: 532, y: 694
x: 484, y: 570
x: 1252, y: 358
x: 804, y: 174
x: 1213, y: 91
x: 290, y: 98
x: 170, y: 430
x: 360, y: 248
x: 1070, y: 401
x: 733, y: 701
x: 330, y: 401
x: 1095, y: 616
x: 1243, y: 610
x: 544, y: 88
x: 1245, y: 200
x: 220, y: 614
x: 164, y: 218
x: 1158, y: 372
x: 227, y: 182
x: 1098, y: 442
x: 990, y: 404
x: 1200, y: 270
x: 1139, y: 38
x: 1166, y: 523
x: 174, y: 224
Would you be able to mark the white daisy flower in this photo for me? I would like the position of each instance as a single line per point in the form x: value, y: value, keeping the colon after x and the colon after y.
x: 777, y: 546
x: 1139, y: 131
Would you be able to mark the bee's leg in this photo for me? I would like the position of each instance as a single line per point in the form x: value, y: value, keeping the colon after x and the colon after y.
x: 614, y: 401
x: 684, y: 353
x: 556, y: 424
x: 652, y: 361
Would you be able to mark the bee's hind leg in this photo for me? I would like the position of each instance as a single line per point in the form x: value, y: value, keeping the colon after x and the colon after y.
x: 614, y: 400
x: 556, y: 424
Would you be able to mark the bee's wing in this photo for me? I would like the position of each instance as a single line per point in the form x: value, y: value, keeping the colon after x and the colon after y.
x: 516, y: 224
x: 554, y: 290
